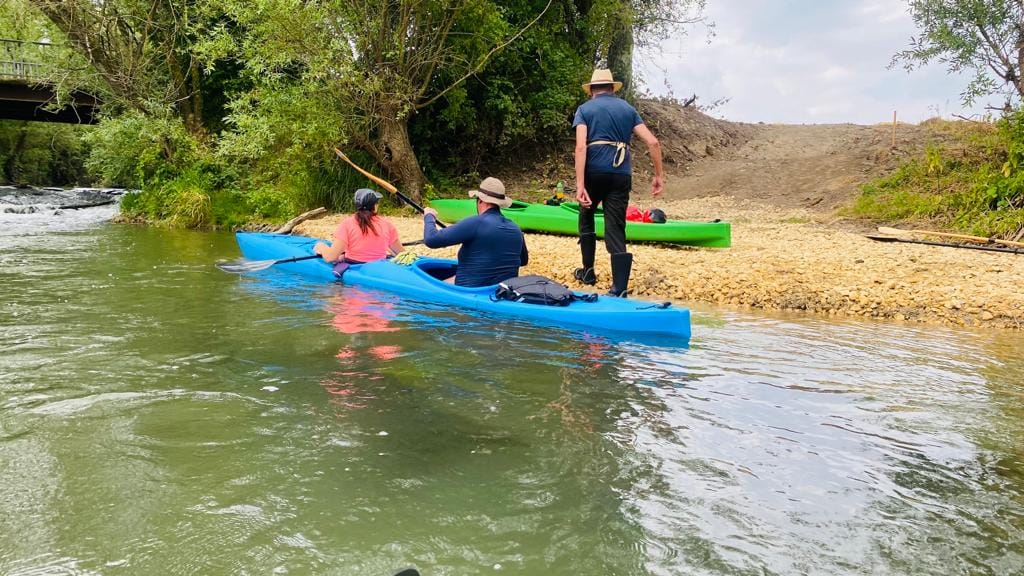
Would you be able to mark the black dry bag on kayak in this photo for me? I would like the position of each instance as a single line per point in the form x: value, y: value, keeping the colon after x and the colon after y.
x: 535, y: 289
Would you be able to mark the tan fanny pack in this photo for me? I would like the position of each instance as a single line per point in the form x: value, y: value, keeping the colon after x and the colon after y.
x: 620, y: 150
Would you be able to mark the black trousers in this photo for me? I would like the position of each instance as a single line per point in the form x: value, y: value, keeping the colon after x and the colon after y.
x: 611, y: 191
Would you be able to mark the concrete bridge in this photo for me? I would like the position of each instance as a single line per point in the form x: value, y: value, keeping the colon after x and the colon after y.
x: 24, y: 93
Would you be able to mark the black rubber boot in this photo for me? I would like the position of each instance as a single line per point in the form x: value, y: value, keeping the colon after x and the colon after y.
x: 588, y: 245
x: 622, y: 264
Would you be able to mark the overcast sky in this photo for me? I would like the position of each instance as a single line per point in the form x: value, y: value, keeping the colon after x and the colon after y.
x: 804, y: 61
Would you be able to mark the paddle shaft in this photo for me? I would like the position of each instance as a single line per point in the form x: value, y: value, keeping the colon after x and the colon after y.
x: 314, y: 256
x: 257, y: 265
x: 297, y: 258
x: 243, y: 266
x: 981, y: 239
x: 385, y: 185
x: 947, y: 244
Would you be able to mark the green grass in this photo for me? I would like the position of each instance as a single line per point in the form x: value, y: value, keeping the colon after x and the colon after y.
x: 973, y: 182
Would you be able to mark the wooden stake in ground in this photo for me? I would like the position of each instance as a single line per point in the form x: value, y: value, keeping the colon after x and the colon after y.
x: 893, y: 128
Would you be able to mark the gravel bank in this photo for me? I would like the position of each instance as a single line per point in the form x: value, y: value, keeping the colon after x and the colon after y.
x: 791, y: 260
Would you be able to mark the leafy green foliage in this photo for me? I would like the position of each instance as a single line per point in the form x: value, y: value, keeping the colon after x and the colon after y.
x: 134, y: 149
x: 42, y: 154
x: 985, y: 37
x: 522, y: 102
x: 975, y: 184
x: 202, y: 196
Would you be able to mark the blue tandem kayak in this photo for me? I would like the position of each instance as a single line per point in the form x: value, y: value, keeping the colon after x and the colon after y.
x: 418, y: 281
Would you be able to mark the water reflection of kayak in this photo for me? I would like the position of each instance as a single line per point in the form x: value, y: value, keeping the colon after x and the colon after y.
x: 358, y: 313
x: 419, y: 281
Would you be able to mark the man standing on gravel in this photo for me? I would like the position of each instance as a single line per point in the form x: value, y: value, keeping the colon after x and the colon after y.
x: 604, y: 125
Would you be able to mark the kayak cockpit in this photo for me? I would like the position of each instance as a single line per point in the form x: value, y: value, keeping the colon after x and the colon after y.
x: 574, y: 208
x: 438, y: 270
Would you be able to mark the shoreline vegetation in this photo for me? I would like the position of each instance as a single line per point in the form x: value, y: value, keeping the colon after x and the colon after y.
x: 789, y: 260
x: 799, y: 197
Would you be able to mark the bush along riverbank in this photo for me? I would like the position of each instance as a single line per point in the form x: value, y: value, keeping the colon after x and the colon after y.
x: 973, y: 182
x: 42, y: 154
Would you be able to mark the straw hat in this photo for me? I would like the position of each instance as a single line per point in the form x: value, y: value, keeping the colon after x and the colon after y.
x: 602, y: 76
x: 491, y: 191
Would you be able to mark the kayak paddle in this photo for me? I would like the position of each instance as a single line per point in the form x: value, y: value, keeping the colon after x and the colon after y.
x: 980, y: 239
x: 243, y: 265
x: 385, y: 185
x: 946, y: 244
x: 240, y: 266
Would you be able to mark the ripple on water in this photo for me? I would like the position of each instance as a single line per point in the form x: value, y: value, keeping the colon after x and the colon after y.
x: 158, y: 416
x: 811, y: 440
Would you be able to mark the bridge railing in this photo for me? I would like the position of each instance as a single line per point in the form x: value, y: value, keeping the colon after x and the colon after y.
x: 22, y: 60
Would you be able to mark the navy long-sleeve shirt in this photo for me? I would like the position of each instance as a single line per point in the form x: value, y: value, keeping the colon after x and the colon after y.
x: 493, y: 247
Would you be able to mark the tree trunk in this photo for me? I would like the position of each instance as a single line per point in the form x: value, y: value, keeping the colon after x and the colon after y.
x: 1019, y: 85
x: 188, y: 98
x: 13, y: 167
x: 397, y: 156
x: 620, y: 55
x: 576, y: 14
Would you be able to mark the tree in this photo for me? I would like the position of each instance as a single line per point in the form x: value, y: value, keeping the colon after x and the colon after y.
x: 982, y: 36
x: 376, y: 64
x: 17, y: 22
x: 138, y: 51
x: 521, y: 104
x: 399, y: 47
x: 615, y: 28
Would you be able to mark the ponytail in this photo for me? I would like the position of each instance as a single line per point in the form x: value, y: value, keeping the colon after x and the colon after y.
x: 365, y: 218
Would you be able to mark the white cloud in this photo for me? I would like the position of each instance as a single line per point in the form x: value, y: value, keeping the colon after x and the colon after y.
x: 885, y: 10
x: 804, y: 61
x: 836, y: 74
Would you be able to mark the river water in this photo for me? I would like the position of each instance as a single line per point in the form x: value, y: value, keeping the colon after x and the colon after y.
x: 159, y: 416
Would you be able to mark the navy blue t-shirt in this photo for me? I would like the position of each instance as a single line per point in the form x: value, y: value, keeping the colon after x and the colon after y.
x: 607, y: 117
x: 493, y: 247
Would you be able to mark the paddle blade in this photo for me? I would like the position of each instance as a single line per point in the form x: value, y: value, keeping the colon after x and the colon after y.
x: 893, y: 231
x: 380, y: 181
x: 243, y: 266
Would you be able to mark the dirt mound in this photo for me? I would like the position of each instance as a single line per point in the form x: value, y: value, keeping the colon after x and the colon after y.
x: 814, y: 166
x: 688, y: 135
x: 801, y: 166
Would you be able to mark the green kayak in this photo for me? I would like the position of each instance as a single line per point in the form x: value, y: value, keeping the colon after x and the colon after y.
x: 563, y: 219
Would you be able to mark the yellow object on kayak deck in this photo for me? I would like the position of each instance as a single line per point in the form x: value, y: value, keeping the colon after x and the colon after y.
x: 405, y: 258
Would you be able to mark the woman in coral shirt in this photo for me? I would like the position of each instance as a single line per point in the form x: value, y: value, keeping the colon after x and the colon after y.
x: 362, y: 237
